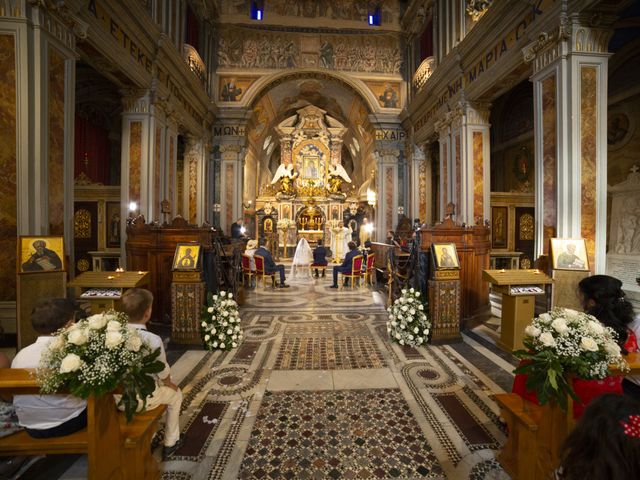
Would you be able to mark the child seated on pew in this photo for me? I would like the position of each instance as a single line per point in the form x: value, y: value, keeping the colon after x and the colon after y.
x: 605, y: 444
x: 137, y: 303
x: 46, y: 416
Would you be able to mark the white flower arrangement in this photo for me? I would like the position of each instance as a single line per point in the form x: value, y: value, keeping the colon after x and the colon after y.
x: 220, y: 325
x: 408, y: 323
x: 95, y: 356
x: 284, y: 224
x: 565, y: 341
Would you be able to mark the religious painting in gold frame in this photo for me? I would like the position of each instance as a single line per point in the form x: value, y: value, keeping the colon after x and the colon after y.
x: 37, y: 254
x: 445, y: 256
x: 311, y: 161
x: 113, y: 224
x: 569, y: 254
x: 187, y: 256
x: 499, y: 226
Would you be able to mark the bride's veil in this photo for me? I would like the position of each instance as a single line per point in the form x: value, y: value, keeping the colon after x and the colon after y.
x: 304, y: 254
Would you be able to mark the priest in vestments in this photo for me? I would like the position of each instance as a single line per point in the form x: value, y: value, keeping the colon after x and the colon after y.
x: 340, y: 241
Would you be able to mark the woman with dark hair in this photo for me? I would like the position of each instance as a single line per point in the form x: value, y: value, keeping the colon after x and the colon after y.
x: 605, y: 442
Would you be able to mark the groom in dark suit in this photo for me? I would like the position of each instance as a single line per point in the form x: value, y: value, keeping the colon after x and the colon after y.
x: 269, y: 265
x: 346, y: 264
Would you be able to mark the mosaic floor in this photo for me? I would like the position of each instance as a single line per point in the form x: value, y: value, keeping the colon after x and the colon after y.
x: 316, y: 391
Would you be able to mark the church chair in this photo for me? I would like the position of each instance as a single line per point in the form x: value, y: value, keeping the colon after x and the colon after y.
x: 370, y: 269
x: 260, y: 273
x: 246, y: 269
x: 356, y: 272
x: 320, y: 268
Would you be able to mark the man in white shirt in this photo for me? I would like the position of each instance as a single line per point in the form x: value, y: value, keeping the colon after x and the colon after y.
x: 45, y: 416
x: 137, y: 303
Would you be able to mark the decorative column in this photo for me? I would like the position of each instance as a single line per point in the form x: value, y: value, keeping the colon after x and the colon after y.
x: 443, y: 127
x: 386, y: 213
x: 570, y: 110
x: 285, y: 149
x: 194, y: 180
x: 231, y: 184
x: 170, y: 165
x: 417, y: 183
x: 470, y: 143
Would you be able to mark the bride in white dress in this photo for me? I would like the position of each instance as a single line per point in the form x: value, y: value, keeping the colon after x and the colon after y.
x: 302, y: 259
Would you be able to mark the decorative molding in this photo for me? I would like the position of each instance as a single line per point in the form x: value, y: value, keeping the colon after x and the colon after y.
x: 477, y: 8
x: 136, y: 101
x: 423, y: 72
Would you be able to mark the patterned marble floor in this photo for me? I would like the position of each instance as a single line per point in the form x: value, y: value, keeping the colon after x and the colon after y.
x: 317, y: 391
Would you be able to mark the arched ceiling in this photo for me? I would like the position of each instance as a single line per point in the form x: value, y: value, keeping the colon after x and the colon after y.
x: 285, y: 98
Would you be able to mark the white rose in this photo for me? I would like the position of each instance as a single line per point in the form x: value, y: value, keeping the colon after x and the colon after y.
x: 113, y: 339
x: 420, y: 307
x: 571, y: 313
x: 612, y: 349
x: 229, y: 331
x: 133, y: 343
x: 221, y: 345
x: 221, y: 336
x: 397, y: 335
x: 114, y: 326
x: 420, y: 340
x: 416, y: 330
x: 213, y: 330
x: 532, y: 331
x: 96, y: 322
x: 394, y: 324
x: 77, y: 336
x: 207, y: 338
x: 425, y: 331
x: 595, y: 327
x: 411, y: 290
x: 230, y: 295
x: 215, y: 297
x: 411, y: 337
x: 204, y: 324
x: 588, y: 344
x: 417, y: 294
x: 223, y: 294
x: 215, y: 344
x: 403, y: 326
x: 560, y: 325
x: 545, y: 318
x: 225, y: 323
x: 225, y: 314
x: 547, y: 339
x: 404, y: 291
x: 210, y: 309
x: 234, y: 344
x: 236, y: 328
x: 401, y: 342
x: 412, y: 311
x: 70, y: 363
x: 405, y: 308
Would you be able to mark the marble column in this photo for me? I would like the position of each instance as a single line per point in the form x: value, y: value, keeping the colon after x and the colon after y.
x: 170, y: 189
x: 417, y: 184
x: 570, y: 109
x: 37, y: 79
x: 470, y: 162
x: 230, y: 184
x: 194, y: 179
x: 387, y: 201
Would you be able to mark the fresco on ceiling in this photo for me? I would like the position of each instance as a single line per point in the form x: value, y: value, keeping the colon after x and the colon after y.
x: 231, y: 89
x: 249, y: 49
x: 387, y: 93
x: 352, y: 11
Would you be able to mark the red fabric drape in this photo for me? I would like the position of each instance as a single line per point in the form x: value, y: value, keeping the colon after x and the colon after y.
x: 426, y: 41
x: 92, y: 143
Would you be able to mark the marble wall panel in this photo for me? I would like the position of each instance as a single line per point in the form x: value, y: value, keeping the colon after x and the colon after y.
x: 422, y: 191
x: 8, y: 190
x: 588, y: 130
x: 172, y: 168
x: 135, y: 161
x: 549, y: 159
x: 445, y: 174
x: 55, y: 164
x: 458, y: 197
x: 388, y: 197
x: 156, y: 173
x: 478, y: 176
x: 228, y: 178
x: 193, y: 190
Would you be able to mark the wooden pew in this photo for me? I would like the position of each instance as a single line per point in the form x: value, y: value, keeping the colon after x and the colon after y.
x: 536, y: 433
x: 115, y: 450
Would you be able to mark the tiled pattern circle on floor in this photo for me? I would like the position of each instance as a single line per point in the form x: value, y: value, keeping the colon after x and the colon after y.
x: 337, y: 434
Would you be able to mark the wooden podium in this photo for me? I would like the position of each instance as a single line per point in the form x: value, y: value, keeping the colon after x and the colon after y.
x: 444, y: 306
x: 187, y: 300
x: 519, y: 289
x: 103, y: 290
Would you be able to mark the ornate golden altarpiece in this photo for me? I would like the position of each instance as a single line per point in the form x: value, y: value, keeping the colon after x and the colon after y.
x: 311, y: 189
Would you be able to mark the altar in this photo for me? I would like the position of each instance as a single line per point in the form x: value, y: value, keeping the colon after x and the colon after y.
x: 311, y: 195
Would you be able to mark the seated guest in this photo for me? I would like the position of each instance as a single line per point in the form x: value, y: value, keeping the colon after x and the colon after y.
x: 137, y: 304
x: 46, y: 416
x: 269, y: 265
x: 605, y: 442
x: 250, y: 251
x: 345, y: 267
x: 319, y: 257
x: 602, y: 297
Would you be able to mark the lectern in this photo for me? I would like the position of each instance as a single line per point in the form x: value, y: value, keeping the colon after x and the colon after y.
x: 518, y: 288
x: 103, y: 290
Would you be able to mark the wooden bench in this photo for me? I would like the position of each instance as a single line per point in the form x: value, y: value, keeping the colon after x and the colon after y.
x: 536, y: 433
x: 115, y: 449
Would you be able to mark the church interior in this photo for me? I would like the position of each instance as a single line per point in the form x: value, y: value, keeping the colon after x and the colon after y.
x: 481, y: 153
